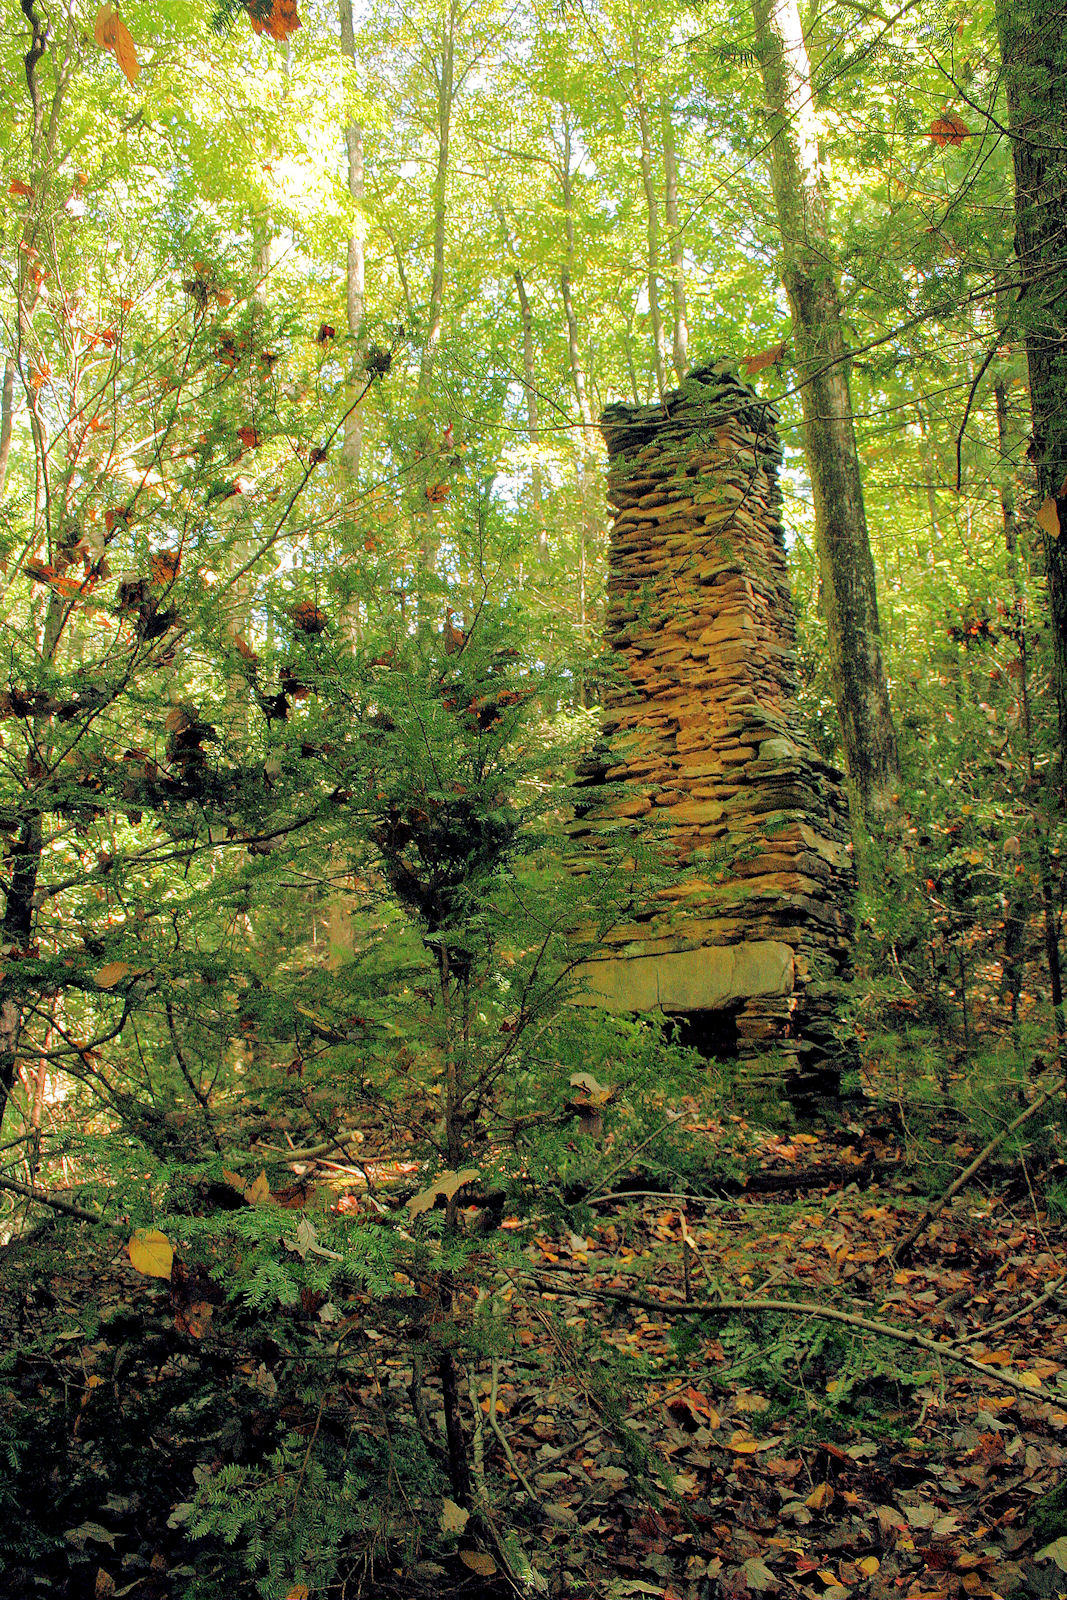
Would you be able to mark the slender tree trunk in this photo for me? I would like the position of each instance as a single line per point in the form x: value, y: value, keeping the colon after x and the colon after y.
x: 1033, y: 45
x: 445, y: 69
x: 585, y: 459
x: 355, y: 280
x: 533, y: 421
x: 677, y: 246
x: 445, y: 74
x: 856, y: 665
x: 7, y: 418
x: 655, y: 315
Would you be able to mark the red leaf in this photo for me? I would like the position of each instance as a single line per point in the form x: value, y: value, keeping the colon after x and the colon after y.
x: 22, y: 190
x: 249, y: 437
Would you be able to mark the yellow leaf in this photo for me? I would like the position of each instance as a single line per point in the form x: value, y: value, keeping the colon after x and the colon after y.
x: 113, y: 973
x: 827, y: 1576
x: 478, y: 1561
x: 151, y: 1253
x: 868, y: 1565
x: 299, y: 1591
x: 819, y: 1497
x: 125, y: 54
x: 741, y: 1445
x: 1047, y: 518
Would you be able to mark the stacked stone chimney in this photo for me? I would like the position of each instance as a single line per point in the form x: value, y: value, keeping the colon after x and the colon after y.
x: 750, y: 941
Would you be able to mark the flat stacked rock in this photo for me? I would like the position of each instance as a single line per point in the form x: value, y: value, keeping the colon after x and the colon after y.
x: 704, y: 749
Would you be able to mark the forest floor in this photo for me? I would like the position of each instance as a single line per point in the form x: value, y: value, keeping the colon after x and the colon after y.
x: 747, y: 1454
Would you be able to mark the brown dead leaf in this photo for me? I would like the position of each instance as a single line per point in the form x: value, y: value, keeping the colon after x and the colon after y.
x: 478, y: 1561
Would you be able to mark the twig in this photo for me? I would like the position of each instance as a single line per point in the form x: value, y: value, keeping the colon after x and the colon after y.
x: 68, y: 1207
x: 1016, y: 1316
x: 669, y: 1123
x: 498, y: 1430
x: 807, y: 1308
x: 902, y: 1251
x: 481, y: 1493
x: 560, y: 1451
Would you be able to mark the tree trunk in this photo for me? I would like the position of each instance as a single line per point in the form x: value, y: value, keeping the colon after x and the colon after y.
x: 1034, y: 58
x: 445, y: 69
x: 655, y: 315
x: 533, y: 421
x: 677, y: 246
x: 585, y: 461
x: 7, y: 418
x: 355, y: 281
x: 445, y: 72
x: 821, y: 360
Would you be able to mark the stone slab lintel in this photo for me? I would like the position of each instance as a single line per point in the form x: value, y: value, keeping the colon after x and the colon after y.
x: 709, y: 979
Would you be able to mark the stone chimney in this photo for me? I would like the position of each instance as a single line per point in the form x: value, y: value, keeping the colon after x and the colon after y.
x: 749, y: 944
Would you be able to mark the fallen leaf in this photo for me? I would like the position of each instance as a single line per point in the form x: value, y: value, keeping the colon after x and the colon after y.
x: 820, y: 1497
x: 446, y: 1185
x: 85, y: 1531
x: 151, y: 1253
x: 453, y: 1518
x: 1056, y: 1551
x: 478, y: 1561
x: 22, y: 190
x: 868, y: 1565
x: 760, y: 1578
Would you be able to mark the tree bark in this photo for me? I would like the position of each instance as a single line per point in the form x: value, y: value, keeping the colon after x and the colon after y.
x: 1034, y: 58
x: 677, y: 246
x: 821, y: 359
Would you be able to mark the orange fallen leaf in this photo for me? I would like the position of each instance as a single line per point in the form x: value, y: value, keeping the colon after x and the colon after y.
x: 22, y: 190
